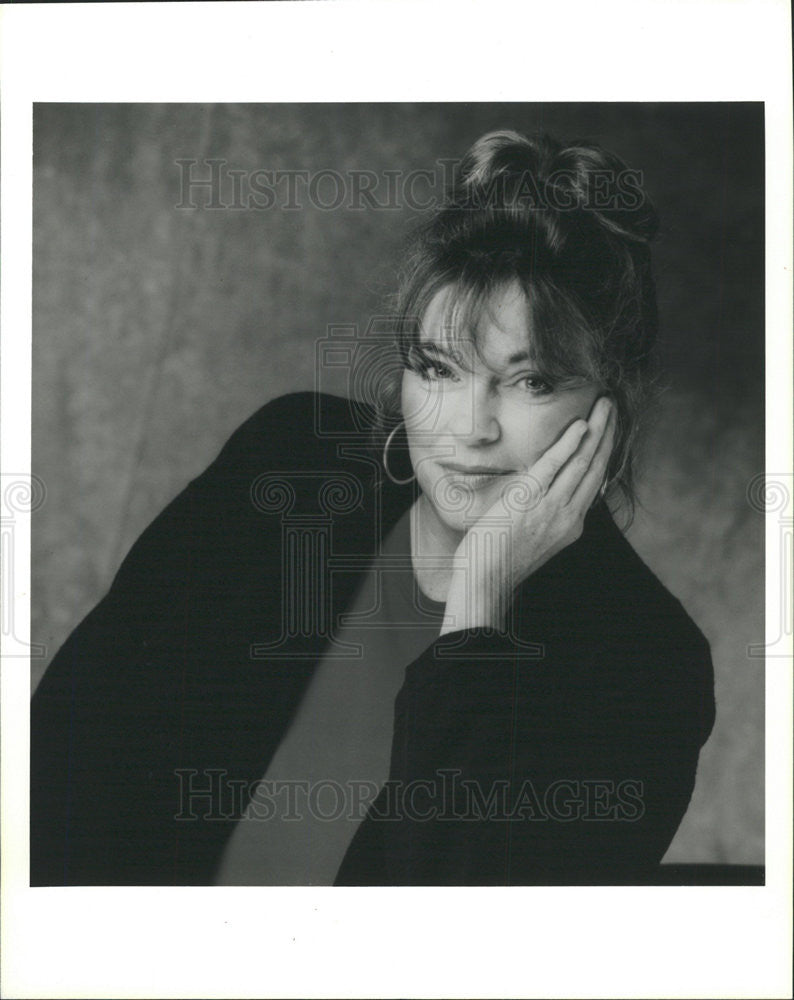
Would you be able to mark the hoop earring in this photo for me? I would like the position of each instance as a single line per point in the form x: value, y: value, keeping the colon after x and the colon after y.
x: 397, y: 482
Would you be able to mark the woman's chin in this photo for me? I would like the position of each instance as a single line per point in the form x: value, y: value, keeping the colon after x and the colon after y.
x: 461, y: 516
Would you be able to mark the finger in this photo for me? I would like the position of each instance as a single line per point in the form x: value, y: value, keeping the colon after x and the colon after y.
x: 580, y: 463
x: 587, y: 490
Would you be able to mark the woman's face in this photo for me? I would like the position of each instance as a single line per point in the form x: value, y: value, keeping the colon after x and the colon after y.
x: 475, y: 417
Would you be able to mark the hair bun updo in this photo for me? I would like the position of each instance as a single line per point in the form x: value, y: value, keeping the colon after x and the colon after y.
x: 518, y: 175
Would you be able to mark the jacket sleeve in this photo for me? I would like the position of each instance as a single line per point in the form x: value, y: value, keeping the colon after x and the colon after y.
x: 574, y: 766
x: 158, y: 682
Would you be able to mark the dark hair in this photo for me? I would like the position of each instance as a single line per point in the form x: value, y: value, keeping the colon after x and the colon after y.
x: 572, y: 225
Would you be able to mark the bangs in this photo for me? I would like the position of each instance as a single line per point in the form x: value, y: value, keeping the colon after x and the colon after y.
x: 561, y: 343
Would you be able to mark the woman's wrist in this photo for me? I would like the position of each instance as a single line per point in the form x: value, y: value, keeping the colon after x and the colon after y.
x: 469, y: 606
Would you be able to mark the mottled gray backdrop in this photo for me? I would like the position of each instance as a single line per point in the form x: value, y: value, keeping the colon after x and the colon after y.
x: 157, y: 329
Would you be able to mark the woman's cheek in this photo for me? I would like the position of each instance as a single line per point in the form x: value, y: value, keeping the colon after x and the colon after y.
x: 538, y: 430
x: 415, y: 401
x: 423, y: 408
x: 547, y: 422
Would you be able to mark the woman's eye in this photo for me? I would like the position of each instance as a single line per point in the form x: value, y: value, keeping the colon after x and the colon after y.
x: 430, y: 369
x: 436, y: 370
x: 535, y: 384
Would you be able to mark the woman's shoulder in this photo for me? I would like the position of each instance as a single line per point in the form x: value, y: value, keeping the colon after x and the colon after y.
x: 643, y: 591
x: 283, y: 450
x: 297, y: 424
x: 602, y: 590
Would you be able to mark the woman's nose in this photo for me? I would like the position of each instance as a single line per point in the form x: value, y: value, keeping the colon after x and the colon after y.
x: 476, y: 417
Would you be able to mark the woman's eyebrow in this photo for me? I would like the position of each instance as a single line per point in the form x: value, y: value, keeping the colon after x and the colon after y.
x: 517, y: 358
x: 432, y: 347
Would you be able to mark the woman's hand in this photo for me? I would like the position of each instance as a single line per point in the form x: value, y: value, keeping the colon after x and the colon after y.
x: 538, y: 514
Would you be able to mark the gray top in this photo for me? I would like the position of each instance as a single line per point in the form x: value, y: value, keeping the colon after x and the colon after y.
x: 335, y: 756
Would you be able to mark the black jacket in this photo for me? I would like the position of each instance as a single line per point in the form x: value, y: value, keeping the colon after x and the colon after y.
x: 564, y: 754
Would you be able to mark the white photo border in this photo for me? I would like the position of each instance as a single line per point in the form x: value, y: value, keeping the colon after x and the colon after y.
x: 251, y: 942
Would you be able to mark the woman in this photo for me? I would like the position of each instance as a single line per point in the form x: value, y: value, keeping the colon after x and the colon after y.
x: 439, y: 665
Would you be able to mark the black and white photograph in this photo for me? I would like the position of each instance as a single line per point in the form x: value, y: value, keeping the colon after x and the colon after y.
x: 399, y: 465
x: 399, y: 502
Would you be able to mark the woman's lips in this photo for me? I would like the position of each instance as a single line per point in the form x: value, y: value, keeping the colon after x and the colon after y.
x: 473, y: 476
